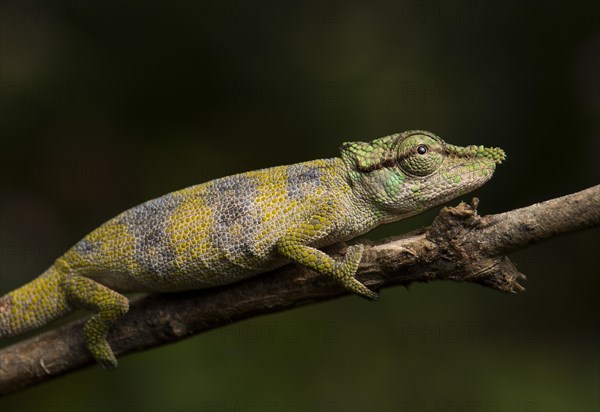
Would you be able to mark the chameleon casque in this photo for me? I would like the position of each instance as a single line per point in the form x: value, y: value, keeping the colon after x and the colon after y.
x: 238, y: 226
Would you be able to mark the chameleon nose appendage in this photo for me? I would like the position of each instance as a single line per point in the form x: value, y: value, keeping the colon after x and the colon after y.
x: 495, y: 154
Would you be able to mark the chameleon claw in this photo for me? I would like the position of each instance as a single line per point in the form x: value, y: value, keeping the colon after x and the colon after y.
x: 108, y: 364
x: 373, y: 295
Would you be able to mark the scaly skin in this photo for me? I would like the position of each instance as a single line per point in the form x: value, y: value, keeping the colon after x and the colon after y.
x: 232, y: 228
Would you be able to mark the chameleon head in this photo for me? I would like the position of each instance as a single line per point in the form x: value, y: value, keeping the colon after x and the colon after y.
x: 405, y: 174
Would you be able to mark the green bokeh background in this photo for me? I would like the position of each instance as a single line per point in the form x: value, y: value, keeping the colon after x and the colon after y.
x: 106, y: 104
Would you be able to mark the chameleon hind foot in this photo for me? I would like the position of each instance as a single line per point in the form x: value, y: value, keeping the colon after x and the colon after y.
x: 95, y: 340
x: 108, y: 305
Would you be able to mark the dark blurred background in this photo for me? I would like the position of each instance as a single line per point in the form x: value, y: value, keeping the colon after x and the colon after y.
x: 106, y: 104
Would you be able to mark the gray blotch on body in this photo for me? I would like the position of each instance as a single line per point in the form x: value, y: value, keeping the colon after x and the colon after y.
x: 233, y: 200
x: 84, y: 247
x: 148, y: 223
x: 302, y: 180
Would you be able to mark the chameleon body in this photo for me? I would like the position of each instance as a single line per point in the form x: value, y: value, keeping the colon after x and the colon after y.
x: 238, y: 226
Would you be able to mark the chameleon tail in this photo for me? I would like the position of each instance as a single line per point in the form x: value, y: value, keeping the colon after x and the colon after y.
x: 34, y: 304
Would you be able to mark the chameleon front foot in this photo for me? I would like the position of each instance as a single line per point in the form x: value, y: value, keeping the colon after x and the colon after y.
x: 347, y: 269
x: 319, y: 261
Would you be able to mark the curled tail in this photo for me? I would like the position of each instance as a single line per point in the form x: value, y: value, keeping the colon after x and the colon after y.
x: 34, y: 304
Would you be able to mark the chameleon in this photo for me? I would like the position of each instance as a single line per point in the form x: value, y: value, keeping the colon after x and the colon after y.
x: 235, y: 227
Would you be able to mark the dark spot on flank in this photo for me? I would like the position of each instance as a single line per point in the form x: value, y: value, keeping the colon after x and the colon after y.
x: 232, y: 199
x: 302, y: 180
x: 237, y: 216
x: 246, y: 250
x: 148, y: 224
x: 230, y: 214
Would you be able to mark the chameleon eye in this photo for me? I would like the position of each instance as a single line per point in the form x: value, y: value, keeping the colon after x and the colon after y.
x: 420, y: 155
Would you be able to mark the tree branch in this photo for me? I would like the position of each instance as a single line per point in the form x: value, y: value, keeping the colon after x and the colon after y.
x: 459, y: 245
